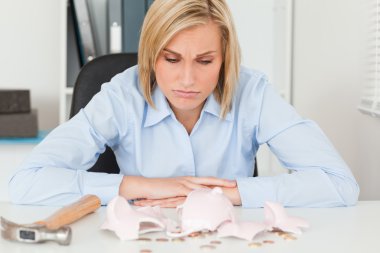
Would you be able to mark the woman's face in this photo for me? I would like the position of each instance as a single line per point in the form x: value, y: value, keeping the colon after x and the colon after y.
x: 187, y: 70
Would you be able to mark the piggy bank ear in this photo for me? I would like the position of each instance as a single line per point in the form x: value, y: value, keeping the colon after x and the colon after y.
x: 269, y: 214
x: 217, y: 190
x: 276, y: 217
x: 121, y: 207
x: 116, y: 209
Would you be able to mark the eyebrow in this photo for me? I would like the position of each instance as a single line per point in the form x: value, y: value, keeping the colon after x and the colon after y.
x: 198, y: 55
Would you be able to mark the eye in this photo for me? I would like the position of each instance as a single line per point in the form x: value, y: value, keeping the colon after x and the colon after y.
x: 205, y: 62
x: 171, y: 60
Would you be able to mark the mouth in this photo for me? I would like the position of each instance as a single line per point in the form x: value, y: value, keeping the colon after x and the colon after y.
x: 185, y: 94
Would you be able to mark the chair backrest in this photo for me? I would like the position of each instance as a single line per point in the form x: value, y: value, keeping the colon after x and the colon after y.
x: 88, y: 83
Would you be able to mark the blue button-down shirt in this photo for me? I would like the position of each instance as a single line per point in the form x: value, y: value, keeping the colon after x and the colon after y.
x: 151, y: 142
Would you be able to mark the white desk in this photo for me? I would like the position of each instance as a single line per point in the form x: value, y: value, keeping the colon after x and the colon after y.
x: 352, y: 229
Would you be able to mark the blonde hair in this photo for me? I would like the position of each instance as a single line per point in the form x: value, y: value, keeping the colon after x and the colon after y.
x: 165, y: 19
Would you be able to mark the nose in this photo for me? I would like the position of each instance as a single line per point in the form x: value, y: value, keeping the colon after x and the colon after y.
x: 187, y: 75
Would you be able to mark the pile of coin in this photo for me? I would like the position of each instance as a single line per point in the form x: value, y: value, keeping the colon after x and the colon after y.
x: 144, y: 239
x: 179, y: 239
x: 162, y: 239
x: 285, y: 235
x: 213, y: 244
x: 254, y: 244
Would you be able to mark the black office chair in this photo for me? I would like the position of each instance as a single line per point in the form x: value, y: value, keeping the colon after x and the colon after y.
x: 88, y: 83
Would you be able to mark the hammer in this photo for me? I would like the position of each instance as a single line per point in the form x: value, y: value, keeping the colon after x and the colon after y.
x: 52, y: 228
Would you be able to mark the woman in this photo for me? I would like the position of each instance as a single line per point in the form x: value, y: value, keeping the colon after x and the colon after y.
x: 187, y: 117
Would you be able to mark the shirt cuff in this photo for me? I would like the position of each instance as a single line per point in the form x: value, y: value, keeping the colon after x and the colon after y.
x: 254, y: 191
x: 103, y: 185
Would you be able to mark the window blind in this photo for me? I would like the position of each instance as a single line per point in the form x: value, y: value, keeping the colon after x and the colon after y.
x: 370, y: 99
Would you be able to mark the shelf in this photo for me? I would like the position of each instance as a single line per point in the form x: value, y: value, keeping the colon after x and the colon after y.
x: 27, y: 140
x: 69, y: 90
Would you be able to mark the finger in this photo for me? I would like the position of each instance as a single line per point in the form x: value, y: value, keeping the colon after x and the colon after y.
x: 156, y: 202
x: 184, y: 188
x: 213, y: 181
x: 171, y: 202
x: 145, y: 202
x: 194, y: 186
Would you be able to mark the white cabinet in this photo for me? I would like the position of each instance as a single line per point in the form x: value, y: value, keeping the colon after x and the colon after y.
x: 70, y: 64
x: 66, y: 94
x: 98, y: 17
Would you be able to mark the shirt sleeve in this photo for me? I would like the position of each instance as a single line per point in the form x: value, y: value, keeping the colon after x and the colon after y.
x: 318, y: 176
x: 55, y: 172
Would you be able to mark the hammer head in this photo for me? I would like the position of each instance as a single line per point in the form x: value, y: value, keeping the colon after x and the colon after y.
x: 34, y: 233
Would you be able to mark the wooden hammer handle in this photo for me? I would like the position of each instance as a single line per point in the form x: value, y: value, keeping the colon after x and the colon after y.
x: 68, y: 214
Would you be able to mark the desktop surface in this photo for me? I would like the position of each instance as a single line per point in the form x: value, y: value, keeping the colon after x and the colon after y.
x: 344, y: 229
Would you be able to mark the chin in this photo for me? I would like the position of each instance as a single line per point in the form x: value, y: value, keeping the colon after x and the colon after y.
x: 186, y: 105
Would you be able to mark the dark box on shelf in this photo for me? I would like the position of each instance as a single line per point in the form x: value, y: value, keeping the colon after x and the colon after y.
x: 14, y: 101
x: 19, y: 124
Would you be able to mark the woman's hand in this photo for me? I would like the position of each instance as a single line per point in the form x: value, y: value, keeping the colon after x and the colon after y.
x: 169, y: 202
x: 232, y: 193
x: 135, y: 187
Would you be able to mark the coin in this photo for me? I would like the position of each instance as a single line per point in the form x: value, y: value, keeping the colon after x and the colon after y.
x: 206, y: 232
x: 283, y: 234
x: 254, y: 245
x: 290, y: 238
x: 207, y: 247
x: 179, y: 239
x: 268, y: 241
x: 162, y: 239
x: 201, y: 236
x: 144, y: 239
x: 194, y: 234
x: 215, y: 242
x: 145, y: 251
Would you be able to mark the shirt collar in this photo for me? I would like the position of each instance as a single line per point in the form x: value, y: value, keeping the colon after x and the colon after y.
x: 163, y: 110
x: 213, y: 107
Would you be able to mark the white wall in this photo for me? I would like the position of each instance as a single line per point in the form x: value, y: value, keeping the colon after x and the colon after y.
x: 329, y: 68
x: 254, y: 21
x: 264, y: 29
x: 31, y: 53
